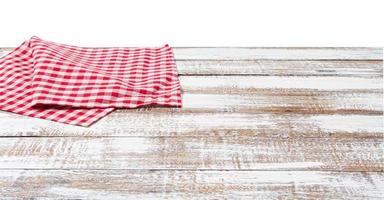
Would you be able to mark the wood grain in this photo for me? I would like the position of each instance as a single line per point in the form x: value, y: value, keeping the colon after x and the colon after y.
x: 234, y: 53
x: 240, y: 84
x: 152, y: 123
x: 229, y: 153
x: 356, y: 68
x: 153, y: 184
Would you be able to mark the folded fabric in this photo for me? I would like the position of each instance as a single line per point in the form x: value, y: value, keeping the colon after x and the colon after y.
x: 77, y: 85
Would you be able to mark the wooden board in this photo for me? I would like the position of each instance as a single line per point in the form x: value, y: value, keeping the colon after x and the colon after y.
x: 356, y: 68
x: 153, y: 124
x: 234, y: 53
x: 256, y: 123
x: 214, y: 152
x: 165, y: 184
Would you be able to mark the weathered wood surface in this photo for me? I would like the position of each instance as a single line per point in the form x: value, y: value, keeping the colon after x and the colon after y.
x: 154, y: 124
x: 150, y: 184
x: 217, y: 152
x: 256, y: 123
x: 357, y: 68
x: 278, y: 53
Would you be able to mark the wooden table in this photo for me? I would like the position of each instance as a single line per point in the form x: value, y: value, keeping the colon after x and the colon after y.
x: 257, y: 123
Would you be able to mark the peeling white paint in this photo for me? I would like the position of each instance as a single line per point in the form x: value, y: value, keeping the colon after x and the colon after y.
x: 147, y: 123
x: 127, y: 184
x: 278, y: 53
x: 349, y: 123
x: 284, y: 82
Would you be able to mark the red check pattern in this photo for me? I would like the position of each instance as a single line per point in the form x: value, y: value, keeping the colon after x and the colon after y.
x: 77, y: 85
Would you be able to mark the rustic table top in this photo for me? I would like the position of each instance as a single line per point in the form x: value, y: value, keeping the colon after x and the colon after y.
x: 256, y: 123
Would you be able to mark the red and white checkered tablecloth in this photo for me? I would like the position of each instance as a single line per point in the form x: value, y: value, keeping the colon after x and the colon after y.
x: 77, y: 85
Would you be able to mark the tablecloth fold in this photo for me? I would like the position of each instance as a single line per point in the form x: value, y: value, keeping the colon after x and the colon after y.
x: 78, y: 85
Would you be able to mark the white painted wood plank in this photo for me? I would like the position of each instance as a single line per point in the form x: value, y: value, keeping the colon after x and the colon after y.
x: 190, y: 83
x: 281, y: 68
x: 278, y: 53
x: 203, y: 152
x: 142, y: 184
x: 151, y: 123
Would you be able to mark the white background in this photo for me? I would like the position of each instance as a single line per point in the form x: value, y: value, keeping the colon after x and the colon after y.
x: 195, y: 22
